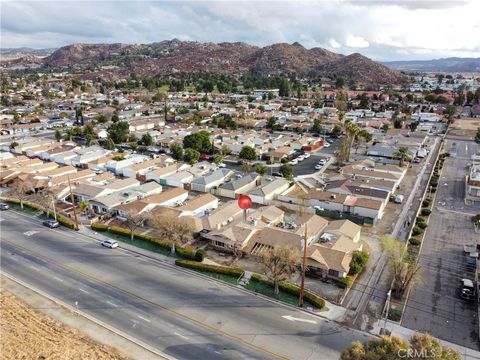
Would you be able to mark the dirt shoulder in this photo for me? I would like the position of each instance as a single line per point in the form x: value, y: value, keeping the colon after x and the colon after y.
x: 34, y: 327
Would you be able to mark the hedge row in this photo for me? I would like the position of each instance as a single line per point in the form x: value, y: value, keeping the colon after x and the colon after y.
x: 312, y: 298
x: 235, y: 272
x: 61, y: 219
x: 166, y: 244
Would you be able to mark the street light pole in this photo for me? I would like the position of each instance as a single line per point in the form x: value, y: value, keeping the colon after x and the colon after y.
x: 54, y: 210
x: 387, y: 308
x: 304, y: 266
x: 73, y: 204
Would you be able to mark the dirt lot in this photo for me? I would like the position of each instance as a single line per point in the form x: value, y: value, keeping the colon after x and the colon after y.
x: 28, y: 334
x: 464, y: 127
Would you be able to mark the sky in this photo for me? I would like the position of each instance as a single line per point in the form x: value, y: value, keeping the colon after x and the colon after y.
x: 384, y: 30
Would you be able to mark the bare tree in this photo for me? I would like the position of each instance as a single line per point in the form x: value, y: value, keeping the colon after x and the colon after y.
x: 134, y: 220
x: 19, y: 190
x: 404, y: 270
x: 45, y: 198
x: 280, y: 263
x: 177, y: 230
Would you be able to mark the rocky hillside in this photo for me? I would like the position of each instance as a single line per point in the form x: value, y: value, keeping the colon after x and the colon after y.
x: 170, y: 57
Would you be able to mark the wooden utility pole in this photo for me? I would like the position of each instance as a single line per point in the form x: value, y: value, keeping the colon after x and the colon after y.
x: 73, y: 203
x: 304, y: 267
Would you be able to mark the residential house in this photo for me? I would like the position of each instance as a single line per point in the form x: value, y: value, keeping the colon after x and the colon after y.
x: 213, y: 180
x: 238, y: 185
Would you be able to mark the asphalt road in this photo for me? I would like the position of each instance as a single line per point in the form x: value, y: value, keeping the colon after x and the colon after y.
x: 434, y: 306
x: 184, y: 315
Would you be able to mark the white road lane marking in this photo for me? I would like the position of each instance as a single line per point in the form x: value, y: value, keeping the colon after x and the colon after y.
x: 58, y: 279
x: 30, y: 233
x: 144, y: 319
x: 291, y: 318
x: 111, y: 303
x: 84, y: 291
x: 34, y: 268
x: 182, y: 336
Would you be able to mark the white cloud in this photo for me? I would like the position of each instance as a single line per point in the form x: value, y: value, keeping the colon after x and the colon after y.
x: 383, y: 30
x: 334, y: 44
x: 356, y: 42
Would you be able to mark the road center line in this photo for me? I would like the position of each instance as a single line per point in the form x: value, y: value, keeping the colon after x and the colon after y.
x: 144, y: 319
x: 57, y: 278
x: 84, y: 291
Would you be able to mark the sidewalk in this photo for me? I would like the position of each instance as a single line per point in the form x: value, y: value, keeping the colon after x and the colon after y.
x: 405, y: 333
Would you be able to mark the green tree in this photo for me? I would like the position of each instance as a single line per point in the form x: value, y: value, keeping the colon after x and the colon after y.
x: 402, y: 154
x: 284, y: 88
x: 109, y: 144
x: 13, y: 144
x: 118, y: 131
x: 217, y: 159
x: 177, y: 151
x: 393, y: 348
x: 260, y: 169
x: 89, y: 129
x: 287, y: 171
x: 115, y: 117
x: 271, y: 122
x: 191, y: 156
x: 83, y: 205
x: 413, y: 125
x: 58, y: 135
x: 199, y: 141
x: 317, y: 126
x: 146, y: 139
x: 339, y: 82
x: 225, y: 150
x: 248, y: 153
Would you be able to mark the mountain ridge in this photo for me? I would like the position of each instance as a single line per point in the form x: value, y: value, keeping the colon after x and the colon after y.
x: 169, y: 57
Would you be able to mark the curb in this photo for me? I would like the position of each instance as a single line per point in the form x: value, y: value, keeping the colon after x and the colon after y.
x: 89, y: 317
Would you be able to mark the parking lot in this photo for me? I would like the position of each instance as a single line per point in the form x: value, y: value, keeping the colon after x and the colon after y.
x: 434, y: 305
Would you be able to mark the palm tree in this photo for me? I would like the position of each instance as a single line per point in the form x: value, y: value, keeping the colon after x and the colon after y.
x: 352, y: 131
x: 403, y: 154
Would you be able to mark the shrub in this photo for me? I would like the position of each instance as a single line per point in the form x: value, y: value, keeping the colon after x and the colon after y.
x: 426, y: 211
x: 225, y: 270
x: 292, y: 289
x: 427, y: 202
x: 417, y: 231
x: 200, y: 255
x: 185, y: 253
x: 394, y: 314
x: 344, y: 283
x: 422, y: 225
x: 65, y: 222
x: 420, y: 220
x: 99, y: 227
x: 119, y: 230
x: 359, y: 260
x: 414, y: 241
x: 434, y: 182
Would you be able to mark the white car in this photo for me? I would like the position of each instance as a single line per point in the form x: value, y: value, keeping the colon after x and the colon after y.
x: 322, y: 162
x: 293, y: 162
x: 318, y: 167
x: 300, y: 158
x: 112, y: 244
x: 306, y: 155
x: 326, y: 145
x: 222, y: 165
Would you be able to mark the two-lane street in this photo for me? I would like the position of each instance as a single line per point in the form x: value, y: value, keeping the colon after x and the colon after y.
x: 179, y: 313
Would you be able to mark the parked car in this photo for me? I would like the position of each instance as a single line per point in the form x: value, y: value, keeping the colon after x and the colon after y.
x: 319, y: 208
x: 277, y: 174
x: 322, y: 162
x: 4, y: 206
x: 326, y: 145
x: 318, y: 167
x: 111, y: 244
x: 306, y: 155
x: 204, y: 157
x: 300, y: 158
x: 293, y: 162
x: 330, y: 141
x: 467, y: 290
x: 51, y: 223
x: 222, y: 165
